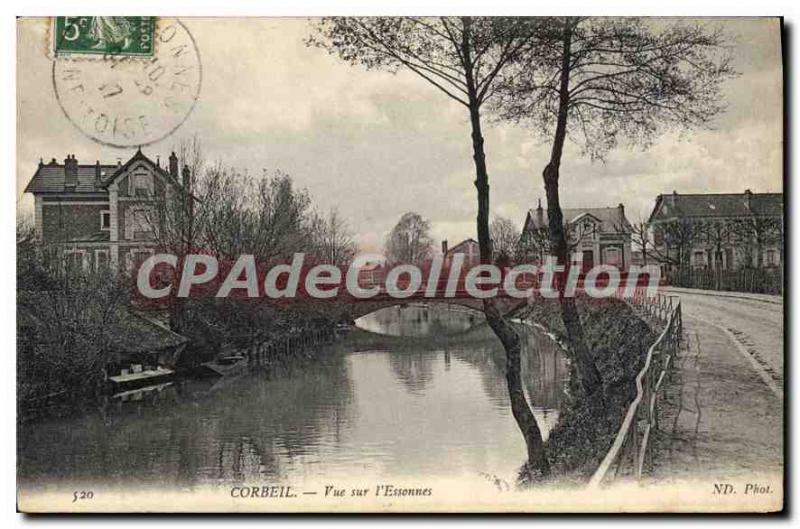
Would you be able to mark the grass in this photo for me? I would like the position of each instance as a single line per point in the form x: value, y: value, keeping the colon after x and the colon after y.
x: 618, y: 340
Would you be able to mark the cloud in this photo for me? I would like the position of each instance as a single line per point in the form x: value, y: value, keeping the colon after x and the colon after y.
x: 376, y: 144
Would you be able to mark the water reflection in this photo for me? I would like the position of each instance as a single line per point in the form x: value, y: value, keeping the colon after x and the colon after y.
x: 420, y: 320
x: 373, y: 405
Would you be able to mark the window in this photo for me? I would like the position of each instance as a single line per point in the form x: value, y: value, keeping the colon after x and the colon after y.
x: 140, y: 220
x: 101, y: 261
x: 138, y: 223
x: 613, y: 256
x: 587, y: 230
x: 729, y: 259
x: 772, y: 257
x: 699, y: 258
x: 141, y: 184
x: 136, y: 257
x: 105, y: 220
x: 658, y: 236
x: 73, y: 260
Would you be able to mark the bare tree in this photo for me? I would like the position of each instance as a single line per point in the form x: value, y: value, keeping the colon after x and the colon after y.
x: 755, y: 232
x: 66, y: 316
x: 410, y: 240
x: 505, y: 239
x: 640, y: 238
x: 333, y: 240
x: 679, y: 236
x: 268, y: 218
x: 600, y: 80
x: 191, y: 155
x: 716, y: 233
x: 461, y: 57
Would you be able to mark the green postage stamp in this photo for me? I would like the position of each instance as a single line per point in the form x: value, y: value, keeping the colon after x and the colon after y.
x: 104, y: 35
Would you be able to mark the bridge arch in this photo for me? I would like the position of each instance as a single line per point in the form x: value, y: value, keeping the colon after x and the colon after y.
x: 363, y: 308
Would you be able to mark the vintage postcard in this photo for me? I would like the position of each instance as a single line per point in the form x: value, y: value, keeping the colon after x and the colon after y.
x: 399, y: 264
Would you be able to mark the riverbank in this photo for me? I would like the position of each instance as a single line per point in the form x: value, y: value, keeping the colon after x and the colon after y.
x: 374, y: 407
x: 618, y: 340
x: 57, y: 379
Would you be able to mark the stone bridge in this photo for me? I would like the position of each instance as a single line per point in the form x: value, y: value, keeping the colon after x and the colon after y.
x: 359, y: 308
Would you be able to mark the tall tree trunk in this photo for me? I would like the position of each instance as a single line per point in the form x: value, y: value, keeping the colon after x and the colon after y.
x: 508, y: 336
x: 587, y: 370
x: 520, y: 409
x: 759, y: 251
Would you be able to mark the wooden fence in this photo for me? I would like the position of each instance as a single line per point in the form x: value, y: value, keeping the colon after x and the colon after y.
x: 753, y: 280
x: 631, y: 451
x: 261, y: 353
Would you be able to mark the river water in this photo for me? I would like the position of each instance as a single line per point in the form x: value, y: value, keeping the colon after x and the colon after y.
x: 414, y: 391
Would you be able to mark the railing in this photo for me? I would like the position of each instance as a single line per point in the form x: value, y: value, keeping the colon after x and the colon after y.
x: 630, y: 452
x: 754, y: 280
x: 659, y: 306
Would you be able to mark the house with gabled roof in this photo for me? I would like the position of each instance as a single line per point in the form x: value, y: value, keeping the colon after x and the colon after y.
x: 102, y: 214
x: 595, y: 236
x: 468, y: 248
x: 725, y: 231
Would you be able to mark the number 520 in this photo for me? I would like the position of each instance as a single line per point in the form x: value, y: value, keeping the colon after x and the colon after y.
x: 82, y: 495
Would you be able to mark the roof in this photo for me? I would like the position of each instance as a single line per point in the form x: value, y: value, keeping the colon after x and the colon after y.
x: 49, y: 178
x: 129, y: 331
x: 609, y: 220
x: 717, y: 205
x: 460, y: 246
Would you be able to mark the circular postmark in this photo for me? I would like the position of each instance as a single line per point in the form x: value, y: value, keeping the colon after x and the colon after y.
x: 125, y: 100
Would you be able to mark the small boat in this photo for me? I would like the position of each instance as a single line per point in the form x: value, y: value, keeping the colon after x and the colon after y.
x: 140, y: 377
x: 226, y: 366
x: 140, y: 393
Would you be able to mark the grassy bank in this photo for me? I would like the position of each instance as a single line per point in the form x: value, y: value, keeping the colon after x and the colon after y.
x: 230, y: 326
x: 618, y: 340
x: 68, y: 342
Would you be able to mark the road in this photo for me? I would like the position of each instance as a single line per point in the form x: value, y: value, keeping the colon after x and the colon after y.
x: 756, y: 321
x: 724, y: 417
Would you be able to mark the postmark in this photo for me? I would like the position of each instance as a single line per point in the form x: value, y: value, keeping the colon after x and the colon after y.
x: 99, y: 35
x: 125, y: 100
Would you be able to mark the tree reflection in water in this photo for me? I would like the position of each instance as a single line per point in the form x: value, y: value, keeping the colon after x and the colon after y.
x: 430, y: 404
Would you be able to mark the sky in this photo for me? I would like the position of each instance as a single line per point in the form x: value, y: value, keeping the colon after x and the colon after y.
x: 376, y: 145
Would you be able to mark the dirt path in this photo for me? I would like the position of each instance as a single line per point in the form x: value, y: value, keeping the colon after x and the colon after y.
x: 724, y: 419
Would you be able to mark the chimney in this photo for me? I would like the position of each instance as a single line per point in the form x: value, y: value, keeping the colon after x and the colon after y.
x: 70, y: 171
x: 621, y: 208
x: 186, y: 179
x: 539, y: 214
x: 674, y: 198
x: 173, y: 165
x: 444, y: 247
x: 97, y: 175
x: 748, y: 195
